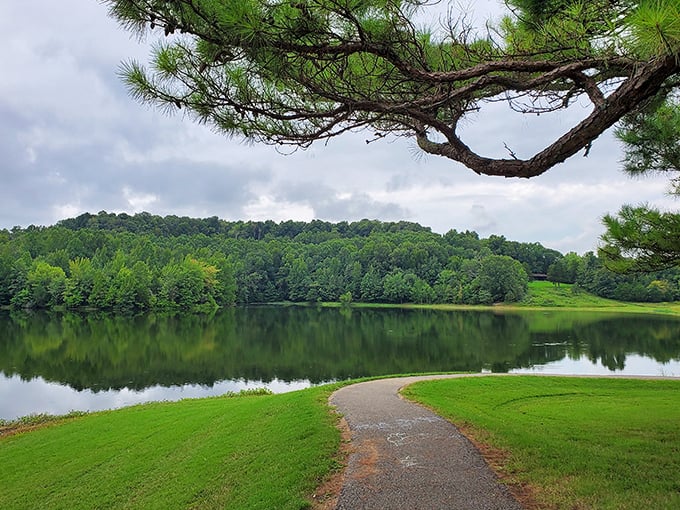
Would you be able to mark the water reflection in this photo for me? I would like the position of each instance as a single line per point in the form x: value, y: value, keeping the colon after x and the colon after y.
x: 635, y: 365
x: 55, y: 363
x: 20, y: 397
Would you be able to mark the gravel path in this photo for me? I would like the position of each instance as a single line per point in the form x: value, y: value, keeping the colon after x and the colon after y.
x: 406, y: 457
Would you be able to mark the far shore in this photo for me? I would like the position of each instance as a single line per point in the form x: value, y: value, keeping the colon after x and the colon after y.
x: 542, y: 296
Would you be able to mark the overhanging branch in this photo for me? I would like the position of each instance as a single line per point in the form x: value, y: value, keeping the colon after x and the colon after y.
x: 645, y: 82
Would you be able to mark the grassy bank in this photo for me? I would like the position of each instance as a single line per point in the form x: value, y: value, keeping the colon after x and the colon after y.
x: 544, y: 296
x: 251, y: 452
x: 547, y: 295
x: 579, y: 443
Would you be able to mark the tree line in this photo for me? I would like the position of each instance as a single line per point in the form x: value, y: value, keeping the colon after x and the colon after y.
x: 127, y: 263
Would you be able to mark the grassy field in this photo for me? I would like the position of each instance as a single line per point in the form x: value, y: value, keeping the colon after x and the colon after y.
x: 250, y: 452
x: 547, y: 295
x: 542, y: 296
x: 577, y: 443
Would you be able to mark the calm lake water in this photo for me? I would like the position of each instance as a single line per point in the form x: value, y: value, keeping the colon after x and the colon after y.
x: 60, y: 362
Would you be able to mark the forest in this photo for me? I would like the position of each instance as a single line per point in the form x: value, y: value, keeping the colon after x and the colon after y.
x: 130, y: 263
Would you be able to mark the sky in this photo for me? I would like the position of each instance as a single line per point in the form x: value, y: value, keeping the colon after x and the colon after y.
x: 73, y: 141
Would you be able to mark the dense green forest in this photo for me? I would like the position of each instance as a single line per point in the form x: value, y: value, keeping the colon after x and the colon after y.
x: 131, y: 263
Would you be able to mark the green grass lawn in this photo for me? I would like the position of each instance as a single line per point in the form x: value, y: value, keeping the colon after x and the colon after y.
x: 544, y: 296
x: 548, y: 295
x: 580, y: 443
x: 251, y: 452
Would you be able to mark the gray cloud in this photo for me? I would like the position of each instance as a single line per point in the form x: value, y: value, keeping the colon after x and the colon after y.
x: 358, y: 206
x: 45, y: 177
x: 481, y: 219
x: 329, y: 204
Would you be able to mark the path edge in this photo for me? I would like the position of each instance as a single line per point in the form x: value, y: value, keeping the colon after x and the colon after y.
x: 327, y: 495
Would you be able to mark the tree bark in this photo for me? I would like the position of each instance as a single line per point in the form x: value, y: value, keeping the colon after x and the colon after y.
x: 646, y: 81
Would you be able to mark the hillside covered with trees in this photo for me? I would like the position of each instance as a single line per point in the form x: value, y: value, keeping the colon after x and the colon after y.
x: 127, y: 263
x: 291, y: 73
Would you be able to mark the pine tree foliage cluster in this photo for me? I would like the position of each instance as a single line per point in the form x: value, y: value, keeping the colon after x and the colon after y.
x: 292, y: 72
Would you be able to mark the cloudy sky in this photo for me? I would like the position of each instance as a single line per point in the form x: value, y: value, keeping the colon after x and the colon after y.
x: 72, y: 140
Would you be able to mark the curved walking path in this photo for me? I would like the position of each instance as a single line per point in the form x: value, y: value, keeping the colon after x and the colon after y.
x: 406, y: 457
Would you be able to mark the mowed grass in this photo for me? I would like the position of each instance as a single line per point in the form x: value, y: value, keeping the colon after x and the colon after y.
x: 543, y: 296
x: 251, y: 452
x: 563, y: 295
x: 578, y: 443
x: 547, y: 295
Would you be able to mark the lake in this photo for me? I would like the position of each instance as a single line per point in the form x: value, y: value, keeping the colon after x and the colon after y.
x: 55, y: 363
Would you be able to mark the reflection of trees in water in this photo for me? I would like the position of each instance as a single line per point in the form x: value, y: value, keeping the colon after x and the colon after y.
x: 609, y: 339
x: 289, y: 343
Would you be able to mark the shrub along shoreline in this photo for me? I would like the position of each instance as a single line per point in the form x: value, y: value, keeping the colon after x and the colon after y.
x: 575, y: 441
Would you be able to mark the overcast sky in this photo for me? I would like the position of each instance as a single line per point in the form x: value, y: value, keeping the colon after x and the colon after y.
x: 73, y: 141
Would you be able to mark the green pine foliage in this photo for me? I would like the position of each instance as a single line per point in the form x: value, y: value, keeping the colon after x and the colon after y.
x: 641, y: 239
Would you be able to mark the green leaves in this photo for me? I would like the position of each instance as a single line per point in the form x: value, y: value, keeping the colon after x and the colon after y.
x: 45, y: 284
x: 560, y: 29
x: 188, y: 285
